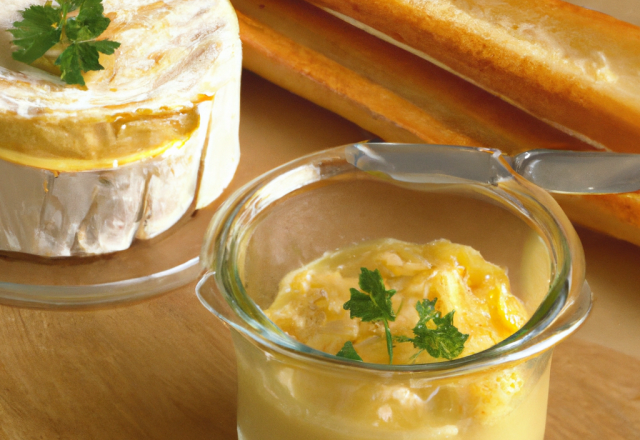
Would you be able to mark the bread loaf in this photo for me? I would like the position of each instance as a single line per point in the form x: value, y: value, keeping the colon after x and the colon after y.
x: 391, y: 92
x: 573, y: 67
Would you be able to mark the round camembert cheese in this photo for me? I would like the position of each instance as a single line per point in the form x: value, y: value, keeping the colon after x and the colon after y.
x: 85, y: 170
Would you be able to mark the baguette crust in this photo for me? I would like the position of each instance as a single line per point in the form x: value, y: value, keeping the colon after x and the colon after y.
x: 564, y: 64
x: 417, y: 101
x: 617, y: 215
x: 327, y: 83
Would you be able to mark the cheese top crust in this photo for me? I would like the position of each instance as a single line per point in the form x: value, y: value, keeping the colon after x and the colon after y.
x: 174, y: 55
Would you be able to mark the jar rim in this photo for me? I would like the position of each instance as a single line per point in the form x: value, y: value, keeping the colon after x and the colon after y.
x: 564, y: 307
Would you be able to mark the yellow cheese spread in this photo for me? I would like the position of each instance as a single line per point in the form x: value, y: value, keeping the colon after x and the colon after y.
x: 309, y: 305
x: 286, y: 399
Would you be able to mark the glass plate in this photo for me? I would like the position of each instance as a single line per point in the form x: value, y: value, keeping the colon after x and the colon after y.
x: 147, y: 268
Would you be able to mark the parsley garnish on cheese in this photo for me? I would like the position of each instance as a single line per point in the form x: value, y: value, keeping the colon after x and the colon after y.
x: 44, y: 27
x: 433, y: 332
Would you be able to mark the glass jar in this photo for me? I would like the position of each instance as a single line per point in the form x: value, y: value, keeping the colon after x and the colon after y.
x: 322, y: 202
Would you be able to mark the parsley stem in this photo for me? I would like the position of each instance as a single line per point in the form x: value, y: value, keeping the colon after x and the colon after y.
x: 389, y: 340
x: 64, y: 19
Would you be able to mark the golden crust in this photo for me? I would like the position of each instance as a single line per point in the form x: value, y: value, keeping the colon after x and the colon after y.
x: 333, y: 86
x: 312, y: 53
x: 617, y: 215
x: 562, y: 63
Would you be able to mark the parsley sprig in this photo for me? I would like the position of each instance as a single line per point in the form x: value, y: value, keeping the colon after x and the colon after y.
x: 374, y: 305
x: 434, y: 333
x: 43, y: 27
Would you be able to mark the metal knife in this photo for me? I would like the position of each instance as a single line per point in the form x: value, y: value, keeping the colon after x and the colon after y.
x: 561, y: 171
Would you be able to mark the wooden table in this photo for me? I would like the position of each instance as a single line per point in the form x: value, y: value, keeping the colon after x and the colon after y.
x: 164, y: 368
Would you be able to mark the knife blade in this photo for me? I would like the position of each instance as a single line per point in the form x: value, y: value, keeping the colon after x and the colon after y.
x: 559, y: 171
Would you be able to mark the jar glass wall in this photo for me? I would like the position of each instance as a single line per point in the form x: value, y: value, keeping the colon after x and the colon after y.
x: 293, y: 215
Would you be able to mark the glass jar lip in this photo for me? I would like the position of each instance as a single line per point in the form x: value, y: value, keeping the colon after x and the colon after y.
x: 564, y: 308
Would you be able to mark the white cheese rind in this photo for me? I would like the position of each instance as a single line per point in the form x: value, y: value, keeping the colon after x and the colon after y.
x: 222, y: 154
x: 94, y: 212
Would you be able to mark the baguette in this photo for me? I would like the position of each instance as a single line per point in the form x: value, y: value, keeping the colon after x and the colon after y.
x: 390, y: 92
x: 403, y: 98
x: 570, y: 66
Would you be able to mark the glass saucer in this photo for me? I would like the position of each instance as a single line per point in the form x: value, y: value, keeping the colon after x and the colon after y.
x: 147, y: 268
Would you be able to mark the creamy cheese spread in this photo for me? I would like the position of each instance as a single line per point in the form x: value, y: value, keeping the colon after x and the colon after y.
x: 309, y: 305
x: 290, y: 401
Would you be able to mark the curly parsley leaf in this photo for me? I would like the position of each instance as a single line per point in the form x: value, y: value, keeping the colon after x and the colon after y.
x: 374, y: 305
x: 89, y: 23
x: 70, y: 5
x: 349, y: 352
x: 45, y: 26
x: 83, y: 57
x: 435, y: 333
x: 38, y: 32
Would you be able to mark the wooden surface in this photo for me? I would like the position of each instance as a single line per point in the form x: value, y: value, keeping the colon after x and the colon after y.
x: 164, y: 368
